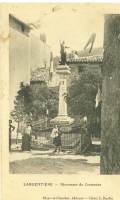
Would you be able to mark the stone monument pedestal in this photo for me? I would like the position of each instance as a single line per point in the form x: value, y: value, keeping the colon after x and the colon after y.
x: 62, y: 120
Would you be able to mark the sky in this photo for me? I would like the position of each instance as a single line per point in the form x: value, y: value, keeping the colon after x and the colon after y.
x: 73, y: 23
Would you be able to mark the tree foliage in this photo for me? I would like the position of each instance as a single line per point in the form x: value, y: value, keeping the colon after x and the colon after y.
x: 82, y: 93
x: 35, y: 99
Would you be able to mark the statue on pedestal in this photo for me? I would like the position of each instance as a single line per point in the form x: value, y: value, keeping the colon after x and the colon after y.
x: 63, y: 53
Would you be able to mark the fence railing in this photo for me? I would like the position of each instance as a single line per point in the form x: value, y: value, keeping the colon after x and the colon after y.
x: 77, y: 140
x: 42, y: 123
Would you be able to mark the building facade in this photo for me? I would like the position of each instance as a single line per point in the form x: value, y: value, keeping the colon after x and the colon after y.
x: 40, y: 54
x: 29, y: 58
x: 19, y: 57
x: 78, y: 65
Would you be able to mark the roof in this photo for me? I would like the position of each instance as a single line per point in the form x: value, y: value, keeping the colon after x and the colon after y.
x: 86, y: 59
x: 16, y: 19
x: 19, y: 26
x: 96, y: 55
x: 40, y: 74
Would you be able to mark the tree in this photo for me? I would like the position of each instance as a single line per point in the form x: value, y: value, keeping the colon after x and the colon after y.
x: 35, y: 100
x: 82, y: 93
x: 56, y: 61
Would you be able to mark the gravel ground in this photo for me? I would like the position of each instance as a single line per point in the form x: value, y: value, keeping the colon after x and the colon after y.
x: 46, y: 162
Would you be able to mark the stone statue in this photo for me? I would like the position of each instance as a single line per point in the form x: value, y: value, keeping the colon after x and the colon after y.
x: 63, y: 53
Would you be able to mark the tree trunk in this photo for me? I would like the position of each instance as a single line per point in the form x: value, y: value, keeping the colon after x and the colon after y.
x: 110, y: 119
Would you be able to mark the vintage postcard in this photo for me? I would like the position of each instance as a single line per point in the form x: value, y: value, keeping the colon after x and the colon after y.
x: 60, y: 101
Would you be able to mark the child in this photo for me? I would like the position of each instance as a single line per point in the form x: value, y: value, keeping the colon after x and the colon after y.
x: 56, y: 138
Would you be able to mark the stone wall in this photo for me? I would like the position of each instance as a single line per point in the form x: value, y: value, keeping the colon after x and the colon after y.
x: 110, y: 119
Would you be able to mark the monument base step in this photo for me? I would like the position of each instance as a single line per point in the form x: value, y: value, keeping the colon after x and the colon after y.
x: 62, y: 121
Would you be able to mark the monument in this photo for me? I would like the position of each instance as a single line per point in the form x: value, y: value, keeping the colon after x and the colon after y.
x: 62, y: 120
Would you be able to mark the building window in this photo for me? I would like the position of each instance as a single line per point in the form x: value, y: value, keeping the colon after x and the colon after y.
x: 80, y: 69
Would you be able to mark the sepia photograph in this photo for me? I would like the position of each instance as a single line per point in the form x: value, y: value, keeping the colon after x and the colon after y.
x: 63, y: 96
x: 57, y: 89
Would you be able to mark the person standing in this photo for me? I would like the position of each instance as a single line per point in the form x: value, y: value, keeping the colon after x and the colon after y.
x: 58, y: 142
x: 26, y: 138
x: 11, y: 128
x: 56, y: 135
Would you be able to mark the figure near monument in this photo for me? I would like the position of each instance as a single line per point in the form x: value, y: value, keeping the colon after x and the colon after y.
x: 63, y: 52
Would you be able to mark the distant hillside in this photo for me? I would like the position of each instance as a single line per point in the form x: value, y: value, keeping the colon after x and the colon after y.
x: 95, y: 51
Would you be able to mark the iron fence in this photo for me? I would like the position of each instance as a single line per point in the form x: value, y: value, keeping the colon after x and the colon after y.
x: 76, y: 140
